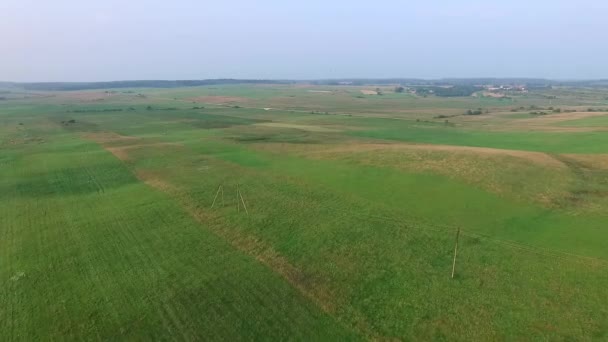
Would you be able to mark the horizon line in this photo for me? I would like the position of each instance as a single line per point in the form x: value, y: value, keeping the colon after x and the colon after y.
x: 324, y: 79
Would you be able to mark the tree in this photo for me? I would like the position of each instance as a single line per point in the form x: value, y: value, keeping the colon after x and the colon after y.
x: 399, y: 89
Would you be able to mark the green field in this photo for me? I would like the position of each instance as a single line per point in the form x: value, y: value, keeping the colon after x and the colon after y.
x: 353, y: 201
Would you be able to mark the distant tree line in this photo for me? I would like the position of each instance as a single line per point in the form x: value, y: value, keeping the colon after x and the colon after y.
x: 453, y: 91
x: 168, y: 108
x: 95, y: 110
x: 50, y: 86
x: 477, y: 111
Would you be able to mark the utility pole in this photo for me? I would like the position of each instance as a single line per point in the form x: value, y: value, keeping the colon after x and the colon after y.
x: 220, y: 188
x: 238, y: 205
x: 455, y: 253
x: 243, y: 201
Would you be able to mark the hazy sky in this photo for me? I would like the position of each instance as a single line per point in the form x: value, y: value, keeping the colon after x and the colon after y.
x: 95, y: 40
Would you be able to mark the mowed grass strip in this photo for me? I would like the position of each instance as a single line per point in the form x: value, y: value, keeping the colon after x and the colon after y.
x: 89, y: 252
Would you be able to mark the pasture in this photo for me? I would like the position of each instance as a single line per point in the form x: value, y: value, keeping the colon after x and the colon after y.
x: 353, y: 201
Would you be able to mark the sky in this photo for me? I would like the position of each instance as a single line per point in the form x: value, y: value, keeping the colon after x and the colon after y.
x: 91, y: 40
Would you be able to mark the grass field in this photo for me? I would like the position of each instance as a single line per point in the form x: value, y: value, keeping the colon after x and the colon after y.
x: 353, y: 202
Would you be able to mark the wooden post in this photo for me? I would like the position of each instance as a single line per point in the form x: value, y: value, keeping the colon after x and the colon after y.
x: 455, y: 252
x: 214, y: 198
x: 242, y: 200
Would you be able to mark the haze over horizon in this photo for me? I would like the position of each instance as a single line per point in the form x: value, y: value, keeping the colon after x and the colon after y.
x: 69, y: 40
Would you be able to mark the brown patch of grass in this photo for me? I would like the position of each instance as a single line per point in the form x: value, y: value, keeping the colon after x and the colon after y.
x: 108, y: 137
x: 487, y: 168
x: 559, y: 117
x: 554, y: 129
x: 154, y: 180
x: 119, y: 153
x: 116, y: 143
x: 122, y: 152
x: 592, y: 161
x: 536, y: 157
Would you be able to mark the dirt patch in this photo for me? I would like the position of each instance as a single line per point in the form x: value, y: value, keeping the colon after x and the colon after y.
x: 219, y: 99
x: 320, y: 91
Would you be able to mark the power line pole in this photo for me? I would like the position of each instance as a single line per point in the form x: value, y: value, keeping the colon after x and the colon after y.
x: 220, y: 188
x: 243, y: 201
x: 455, y: 253
x: 238, y: 205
